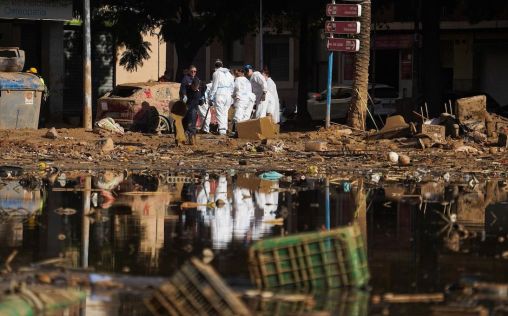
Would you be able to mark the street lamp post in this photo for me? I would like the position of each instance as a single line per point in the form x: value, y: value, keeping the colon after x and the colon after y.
x: 261, y: 34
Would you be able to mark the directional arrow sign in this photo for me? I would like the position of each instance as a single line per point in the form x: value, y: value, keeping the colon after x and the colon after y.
x: 343, y: 45
x: 342, y: 27
x: 344, y: 10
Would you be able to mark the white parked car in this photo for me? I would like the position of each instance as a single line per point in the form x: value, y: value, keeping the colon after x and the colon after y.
x: 384, y: 98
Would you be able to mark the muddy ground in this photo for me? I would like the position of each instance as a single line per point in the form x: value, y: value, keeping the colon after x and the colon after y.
x: 79, y: 150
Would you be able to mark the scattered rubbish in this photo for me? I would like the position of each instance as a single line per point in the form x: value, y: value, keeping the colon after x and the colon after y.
x: 436, y: 133
x: 315, y: 146
x: 343, y: 132
x: 466, y: 149
x: 346, y: 186
x: 108, y: 146
x: 471, y: 112
x: 271, y: 175
x: 318, y: 260
x: 109, y: 124
x: 277, y: 221
x: 439, y: 310
x: 188, y: 205
x: 52, y: 133
x: 65, y: 211
x: 10, y: 171
x: 38, y: 300
x: 196, y: 289
x: 393, y: 157
x: 404, y: 160
x: 395, y: 126
x: 409, y: 298
x: 375, y: 177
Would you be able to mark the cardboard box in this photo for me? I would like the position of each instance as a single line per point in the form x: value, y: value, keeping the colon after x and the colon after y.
x: 254, y: 183
x: 262, y: 128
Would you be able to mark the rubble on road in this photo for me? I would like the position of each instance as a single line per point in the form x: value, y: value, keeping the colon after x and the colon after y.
x: 464, y: 148
x: 52, y: 133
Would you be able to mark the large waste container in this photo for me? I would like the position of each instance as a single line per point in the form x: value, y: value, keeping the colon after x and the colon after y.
x: 20, y: 100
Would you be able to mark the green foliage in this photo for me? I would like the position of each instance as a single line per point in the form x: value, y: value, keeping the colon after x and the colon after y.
x: 189, y: 24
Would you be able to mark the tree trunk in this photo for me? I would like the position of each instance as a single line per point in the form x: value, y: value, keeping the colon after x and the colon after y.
x: 358, y: 109
x: 432, y: 88
x: 303, y: 67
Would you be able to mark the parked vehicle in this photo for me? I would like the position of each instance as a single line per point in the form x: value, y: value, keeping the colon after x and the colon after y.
x: 383, y: 102
x: 140, y: 106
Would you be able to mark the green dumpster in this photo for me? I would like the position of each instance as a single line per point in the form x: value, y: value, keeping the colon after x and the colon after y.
x: 20, y: 100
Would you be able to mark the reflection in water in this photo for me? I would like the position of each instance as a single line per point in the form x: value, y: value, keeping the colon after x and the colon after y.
x: 420, y: 237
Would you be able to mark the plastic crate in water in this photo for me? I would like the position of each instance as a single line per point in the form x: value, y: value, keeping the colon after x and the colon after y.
x: 196, y: 289
x: 329, y: 259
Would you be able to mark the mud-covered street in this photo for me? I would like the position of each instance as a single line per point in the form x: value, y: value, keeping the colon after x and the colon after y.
x: 346, y: 152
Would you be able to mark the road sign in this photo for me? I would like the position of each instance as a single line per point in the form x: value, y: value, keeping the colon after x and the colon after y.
x: 342, y: 27
x: 344, y: 10
x: 343, y: 45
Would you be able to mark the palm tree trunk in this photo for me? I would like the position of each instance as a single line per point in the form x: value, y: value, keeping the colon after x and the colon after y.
x: 358, y: 109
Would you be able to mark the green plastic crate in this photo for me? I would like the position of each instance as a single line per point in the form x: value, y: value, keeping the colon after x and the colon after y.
x: 330, y: 259
x: 196, y: 289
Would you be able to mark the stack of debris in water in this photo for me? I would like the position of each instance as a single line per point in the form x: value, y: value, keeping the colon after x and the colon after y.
x: 312, y: 261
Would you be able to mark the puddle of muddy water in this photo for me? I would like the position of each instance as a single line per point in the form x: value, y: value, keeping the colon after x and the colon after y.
x: 420, y: 237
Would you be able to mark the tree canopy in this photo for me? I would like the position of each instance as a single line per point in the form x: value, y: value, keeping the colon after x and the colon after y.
x: 189, y: 24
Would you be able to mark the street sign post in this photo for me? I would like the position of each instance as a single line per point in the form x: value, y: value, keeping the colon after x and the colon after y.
x: 339, y: 27
x: 344, y: 10
x: 332, y: 27
x: 343, y: 45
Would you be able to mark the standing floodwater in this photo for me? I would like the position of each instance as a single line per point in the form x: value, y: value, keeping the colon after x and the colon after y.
x: 421, y: 238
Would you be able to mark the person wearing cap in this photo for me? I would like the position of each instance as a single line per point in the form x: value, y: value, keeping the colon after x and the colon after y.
x: 221, y: 94
x: 260, y: 89
x: 243, y: 97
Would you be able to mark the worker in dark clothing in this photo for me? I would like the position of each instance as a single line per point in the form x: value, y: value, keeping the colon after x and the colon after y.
x: 186, y: 82
x: 193, y: 100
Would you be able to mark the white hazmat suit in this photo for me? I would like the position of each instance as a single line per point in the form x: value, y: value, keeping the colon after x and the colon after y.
x: 244, y: 99
x: 222, y: 222
x: 260, y: 88
x: 274, y: 109
x: 204, y: 108
x: 220, y: 93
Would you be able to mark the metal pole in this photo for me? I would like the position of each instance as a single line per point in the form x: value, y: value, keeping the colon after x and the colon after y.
x: 158, y: 56
x: 87, y: 68
x: 329, y: 86
x: 85, y: 234
x: 261, y: 65
x: 327, y: 203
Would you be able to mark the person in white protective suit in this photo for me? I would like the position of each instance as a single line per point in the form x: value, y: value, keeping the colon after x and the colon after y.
x: 244, y: 210
x: 204, y: 110
x: 221, y: 94
x: 260, y: 89
x: 243, y: 96
x: 268, y: 203
x: 222, y: 222
x: 274, y: 109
